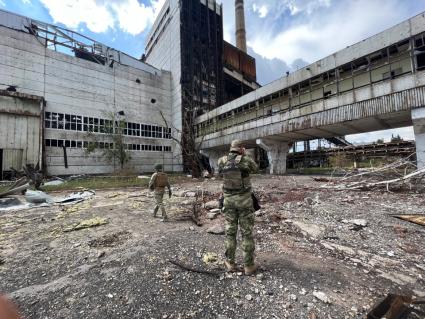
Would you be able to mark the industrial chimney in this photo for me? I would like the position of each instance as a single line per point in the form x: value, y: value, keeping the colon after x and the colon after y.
x: 240, y: 26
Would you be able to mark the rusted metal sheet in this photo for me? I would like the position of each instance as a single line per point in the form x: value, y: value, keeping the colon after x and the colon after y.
x: 415, y: 218
x: 239, y: 61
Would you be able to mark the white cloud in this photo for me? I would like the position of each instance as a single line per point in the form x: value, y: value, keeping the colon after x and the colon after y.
x: 26, y: 1
x: 130, y: 16
x: 262, y: 10
x: 307, y: 6
x: 314, y: 35
x: 2, y: 3
x: 74, y: 12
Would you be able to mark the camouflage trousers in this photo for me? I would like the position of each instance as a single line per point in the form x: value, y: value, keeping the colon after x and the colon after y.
x: 245, y: 219
x: 159, y: 204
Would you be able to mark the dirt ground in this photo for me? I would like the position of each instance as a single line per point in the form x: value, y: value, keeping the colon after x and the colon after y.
x: 315, y: 258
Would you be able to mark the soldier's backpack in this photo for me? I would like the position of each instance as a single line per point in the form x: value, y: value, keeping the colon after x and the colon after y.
x: 232, y: 175
x: 161, y: 180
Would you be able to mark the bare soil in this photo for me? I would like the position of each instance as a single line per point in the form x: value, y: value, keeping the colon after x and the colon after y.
x: 307, y: 244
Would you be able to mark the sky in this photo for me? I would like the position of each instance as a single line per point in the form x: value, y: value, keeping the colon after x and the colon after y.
x: 283, y: 35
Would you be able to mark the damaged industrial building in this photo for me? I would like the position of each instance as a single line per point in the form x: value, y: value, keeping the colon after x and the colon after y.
x: 191, y: 93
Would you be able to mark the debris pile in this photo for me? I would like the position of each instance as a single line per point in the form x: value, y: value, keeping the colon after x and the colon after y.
x: 398, y: 175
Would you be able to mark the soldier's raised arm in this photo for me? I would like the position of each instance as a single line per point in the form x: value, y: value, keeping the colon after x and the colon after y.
x: 252, y: 166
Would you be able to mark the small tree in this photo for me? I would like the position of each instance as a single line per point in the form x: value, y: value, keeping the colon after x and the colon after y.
x: 396, y: 138
x: 380, y: 141
x: 113, y: 147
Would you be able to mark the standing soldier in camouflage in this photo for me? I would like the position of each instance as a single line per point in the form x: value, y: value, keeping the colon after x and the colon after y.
x: 238, y: 205
x: 158, y: 182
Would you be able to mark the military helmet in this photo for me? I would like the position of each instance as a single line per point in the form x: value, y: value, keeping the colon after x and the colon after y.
x: 158, y: 166
x: 236, y: 145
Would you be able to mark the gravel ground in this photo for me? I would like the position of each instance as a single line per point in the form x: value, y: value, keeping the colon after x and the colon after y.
x: 315, y: 258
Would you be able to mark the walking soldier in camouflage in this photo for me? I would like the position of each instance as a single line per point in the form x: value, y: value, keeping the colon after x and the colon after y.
x: 238, y: 205
x: 158, y: 182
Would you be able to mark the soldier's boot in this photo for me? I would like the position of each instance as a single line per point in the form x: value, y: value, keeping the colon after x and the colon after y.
x: 230, y: 266
x: 164, y: 214
x: 250, y: 270
x: 155, y: 211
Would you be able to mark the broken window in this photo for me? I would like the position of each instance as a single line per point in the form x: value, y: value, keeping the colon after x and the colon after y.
x: 345, y: 82
x: 419, y: 52
x: 329, y: 84
x: 361, y: 72
x: 305, y: 92
x: 317, y: 88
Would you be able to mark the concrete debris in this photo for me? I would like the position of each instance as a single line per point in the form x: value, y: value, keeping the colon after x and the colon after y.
x: 359, y: 222
x: 189, y: 194
x: 212, y: 215
x: 315, y: 231
x: 213, y: 204
x: 55, y: 182
x: 216, y: 230
x: 375, y: 179
x: 210, y: 258
x: 322, y: 296
x: 206, y: 174
x: 88, y: 223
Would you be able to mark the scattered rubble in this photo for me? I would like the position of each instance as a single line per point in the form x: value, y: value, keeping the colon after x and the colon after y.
x: 312, y: 264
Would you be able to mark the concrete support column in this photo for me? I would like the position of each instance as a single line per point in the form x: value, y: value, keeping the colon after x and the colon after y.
x: 213, y: 157
x: 418, y: 118
x: 276, y: 154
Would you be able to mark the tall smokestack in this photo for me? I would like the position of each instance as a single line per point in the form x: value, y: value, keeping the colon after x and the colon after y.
x: 240, y: 26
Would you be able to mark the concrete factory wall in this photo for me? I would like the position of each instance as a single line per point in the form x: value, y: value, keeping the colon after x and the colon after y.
x: 163, y: 52
x: 79, y: 92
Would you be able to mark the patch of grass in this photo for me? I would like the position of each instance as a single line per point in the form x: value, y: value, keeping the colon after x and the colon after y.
x: 105, y: 182
x: 99, y: 182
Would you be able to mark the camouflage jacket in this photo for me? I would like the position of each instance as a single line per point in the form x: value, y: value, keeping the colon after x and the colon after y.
x: 239, y: 199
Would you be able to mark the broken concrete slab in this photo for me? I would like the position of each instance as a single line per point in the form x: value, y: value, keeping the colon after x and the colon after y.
x: 322, y: 296
x: 213, y: 204
x: 216, y: 230
x: 359, y: 222
x: 312, y: 230
x: 212, y: 215
x: 344, y: 249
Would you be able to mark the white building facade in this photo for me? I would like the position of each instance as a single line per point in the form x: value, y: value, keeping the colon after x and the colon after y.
x: 78, y: 85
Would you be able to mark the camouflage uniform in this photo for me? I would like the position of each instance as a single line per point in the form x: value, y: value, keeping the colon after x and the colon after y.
x: 238, y: 207
x: 158, y: 182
